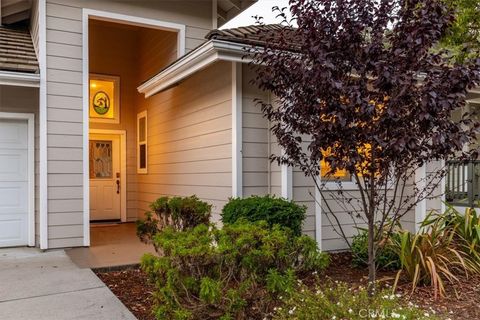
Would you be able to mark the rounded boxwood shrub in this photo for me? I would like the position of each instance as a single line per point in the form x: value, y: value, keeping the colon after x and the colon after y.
x: 180, y: 213
x: 267, y: 208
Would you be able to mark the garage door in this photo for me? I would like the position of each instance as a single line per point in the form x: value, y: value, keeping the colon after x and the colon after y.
x: 13, y: 183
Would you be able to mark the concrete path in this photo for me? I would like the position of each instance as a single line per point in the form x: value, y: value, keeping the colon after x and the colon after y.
x: 110, y: 246
x: 36, y: 285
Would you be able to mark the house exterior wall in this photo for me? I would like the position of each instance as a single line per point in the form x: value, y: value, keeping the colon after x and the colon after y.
x: 25, y: 100
x: 260, y: 175
x: 190, y: 140
x: 64, y: 97
x: 255, y: 144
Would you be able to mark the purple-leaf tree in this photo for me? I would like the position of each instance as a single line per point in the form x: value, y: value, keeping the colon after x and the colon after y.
x: 359, y: 89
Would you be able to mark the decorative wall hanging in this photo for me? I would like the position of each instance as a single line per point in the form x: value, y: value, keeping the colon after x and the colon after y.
x: 104, y: 98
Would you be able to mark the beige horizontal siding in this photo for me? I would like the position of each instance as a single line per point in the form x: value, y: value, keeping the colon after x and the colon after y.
x: 255, y: 135
x: 189, y: 140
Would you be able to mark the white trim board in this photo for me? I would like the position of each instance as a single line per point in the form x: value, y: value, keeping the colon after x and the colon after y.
x: 287, y: 178
x: 421, y: 206
x: 123, y: 167
x: 318, y: 214
x: 43, y: 165
x: 30, y: 118
x: 20, y: 79
x: 124, y: 19
x: 237, y: 128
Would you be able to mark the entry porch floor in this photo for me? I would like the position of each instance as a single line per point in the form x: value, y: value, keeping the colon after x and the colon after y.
x: 111, y: 245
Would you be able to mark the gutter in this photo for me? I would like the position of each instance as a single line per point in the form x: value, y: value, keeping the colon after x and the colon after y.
x: 20, y: 79
x: 198, y: 59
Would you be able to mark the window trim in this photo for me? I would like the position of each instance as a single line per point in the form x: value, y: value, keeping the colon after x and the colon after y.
x: 141, y: 115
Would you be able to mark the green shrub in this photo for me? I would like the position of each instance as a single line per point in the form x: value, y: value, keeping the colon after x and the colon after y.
x: 386, y: 258
x: 180, y: 213
x: 268, y: 208
x: 339, y: 301
x: 236, y: 272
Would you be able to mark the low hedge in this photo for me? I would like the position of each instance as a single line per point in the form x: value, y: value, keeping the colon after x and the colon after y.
x: 271, y: 209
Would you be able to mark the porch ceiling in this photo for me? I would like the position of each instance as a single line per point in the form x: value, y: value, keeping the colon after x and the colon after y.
x: 14, y: 11
x: 228, y: 9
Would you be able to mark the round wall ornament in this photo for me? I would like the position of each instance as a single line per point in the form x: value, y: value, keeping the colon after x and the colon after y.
x: 101, y: 102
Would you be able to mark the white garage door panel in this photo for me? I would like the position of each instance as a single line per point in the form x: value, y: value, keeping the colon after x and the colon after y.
x: 13, y: 231
x: 13, y: 165
x: 13, y: 134
x: 14, y: 195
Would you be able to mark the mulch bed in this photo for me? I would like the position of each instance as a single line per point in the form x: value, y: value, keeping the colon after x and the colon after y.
x: 462, y: 301
x: 133, y: 289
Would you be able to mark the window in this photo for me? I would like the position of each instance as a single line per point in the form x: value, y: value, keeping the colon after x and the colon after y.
x: 339, y: 175
x: 142, y: 160
x: 104, y: 98
x: 343, y: 175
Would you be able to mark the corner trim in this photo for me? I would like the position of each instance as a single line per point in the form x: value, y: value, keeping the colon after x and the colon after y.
x: 43, y: 183
x: 318, y: 214
x: 86, y: 129
x: 420, y: 207
x: 286, y: 177
x: 237, y: 140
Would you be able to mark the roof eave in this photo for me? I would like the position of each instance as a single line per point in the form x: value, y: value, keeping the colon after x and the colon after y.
x: 19, y: 79
x: 202, y: 57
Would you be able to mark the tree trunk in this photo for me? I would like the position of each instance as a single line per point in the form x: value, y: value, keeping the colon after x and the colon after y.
x: 371, y: 258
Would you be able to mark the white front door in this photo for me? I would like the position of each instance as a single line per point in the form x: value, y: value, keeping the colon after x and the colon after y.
x: 14, y: 194
x: 105, y: 195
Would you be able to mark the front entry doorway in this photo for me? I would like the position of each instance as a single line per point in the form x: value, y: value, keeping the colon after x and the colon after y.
x: 105, y: 177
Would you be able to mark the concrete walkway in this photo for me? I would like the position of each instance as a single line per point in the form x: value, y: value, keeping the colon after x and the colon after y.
x: 36, y: 285
x: 111, y: 246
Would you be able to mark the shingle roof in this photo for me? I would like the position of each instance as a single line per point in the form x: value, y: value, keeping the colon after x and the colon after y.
x: 252, y: 35
x: 16, y: 51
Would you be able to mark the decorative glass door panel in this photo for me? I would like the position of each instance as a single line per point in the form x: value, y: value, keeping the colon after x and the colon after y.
x: 101, y: 161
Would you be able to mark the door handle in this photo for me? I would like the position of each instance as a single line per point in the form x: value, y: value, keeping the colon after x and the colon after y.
x: 118, y: 186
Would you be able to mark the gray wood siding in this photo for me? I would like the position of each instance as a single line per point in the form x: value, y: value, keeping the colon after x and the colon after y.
x: 64, y: 96
x: 256, y: 139
x: 25, y: 100
x: 189, y: 140
x: 260, y: 176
